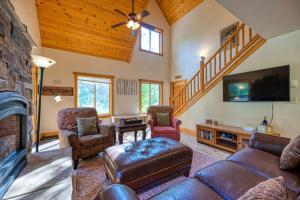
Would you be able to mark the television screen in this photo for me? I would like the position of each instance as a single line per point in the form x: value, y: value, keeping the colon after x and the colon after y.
x: 262, y: 85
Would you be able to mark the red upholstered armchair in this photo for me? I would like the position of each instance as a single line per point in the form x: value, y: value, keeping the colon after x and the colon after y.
x: 163, y: 131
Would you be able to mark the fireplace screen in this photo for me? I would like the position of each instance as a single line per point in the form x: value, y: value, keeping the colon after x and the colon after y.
x: 13, y: 137
x: 10, y: 135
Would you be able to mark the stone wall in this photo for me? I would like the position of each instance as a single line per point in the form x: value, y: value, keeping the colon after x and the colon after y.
x: 15, y: 56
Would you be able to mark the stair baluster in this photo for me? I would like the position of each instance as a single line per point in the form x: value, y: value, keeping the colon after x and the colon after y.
x: 208, y: 75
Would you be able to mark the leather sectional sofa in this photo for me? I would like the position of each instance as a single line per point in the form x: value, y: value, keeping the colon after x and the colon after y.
x: 227, y: 179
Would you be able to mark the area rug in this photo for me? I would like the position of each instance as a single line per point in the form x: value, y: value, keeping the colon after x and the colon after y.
x: 91, y: 179
x: 47, y: 176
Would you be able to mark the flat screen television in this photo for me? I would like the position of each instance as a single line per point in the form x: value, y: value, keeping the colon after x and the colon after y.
x: 271, y: 84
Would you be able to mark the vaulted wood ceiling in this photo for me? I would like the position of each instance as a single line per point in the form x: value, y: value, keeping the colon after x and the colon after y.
x: 173, y: 10
x: 84, y: 26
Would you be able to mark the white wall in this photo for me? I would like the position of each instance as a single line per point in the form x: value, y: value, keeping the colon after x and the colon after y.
x: 26, y: 11
x: 197, y: 34
x: 188, y: 39
x: 284, y: 15
x: 142, y: 66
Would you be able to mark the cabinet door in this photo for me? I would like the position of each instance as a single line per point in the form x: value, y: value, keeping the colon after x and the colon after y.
x: 243, y: 141
x: 206, y: 135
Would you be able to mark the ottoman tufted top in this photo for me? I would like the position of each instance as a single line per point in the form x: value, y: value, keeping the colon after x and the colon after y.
x: 131, y: 161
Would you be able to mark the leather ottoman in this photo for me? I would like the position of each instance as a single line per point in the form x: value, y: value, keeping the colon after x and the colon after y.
x: 144, y: 162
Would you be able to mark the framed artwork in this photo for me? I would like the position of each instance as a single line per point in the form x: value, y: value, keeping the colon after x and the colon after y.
x: 227, y: 31
x: 126, y: 87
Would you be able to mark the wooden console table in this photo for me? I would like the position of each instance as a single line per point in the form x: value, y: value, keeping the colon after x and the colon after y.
x: 131, y: 128
x: 225, y: 137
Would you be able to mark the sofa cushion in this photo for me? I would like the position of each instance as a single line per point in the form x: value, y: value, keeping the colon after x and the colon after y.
x: 267, y: 165
x: 67, y: 118
x: 92, y: 140
x: 290, y: 157
x: 163, y: 119
x: 164, y: 130
x: 228, y: 179
x: 86, y: 126
x: 190, y: 189
x: 152, y: 110
x: 271, y: 189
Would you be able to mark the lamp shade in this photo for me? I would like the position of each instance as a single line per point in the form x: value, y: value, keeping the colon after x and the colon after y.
x: 41, y: 61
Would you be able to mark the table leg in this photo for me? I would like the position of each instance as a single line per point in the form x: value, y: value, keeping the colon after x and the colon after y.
x: 135, y: 136
x: 121, y: 137
x: 115, y: 138
x: 144, y: 134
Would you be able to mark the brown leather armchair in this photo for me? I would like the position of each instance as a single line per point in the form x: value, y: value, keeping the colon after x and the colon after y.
x: 83, y: 146
x: 172, y: 131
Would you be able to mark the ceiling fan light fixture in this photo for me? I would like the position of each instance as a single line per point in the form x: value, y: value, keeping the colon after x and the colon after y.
x: 133, y: 25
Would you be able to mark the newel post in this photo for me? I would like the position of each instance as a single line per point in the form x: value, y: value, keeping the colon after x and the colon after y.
x: 202, y: 74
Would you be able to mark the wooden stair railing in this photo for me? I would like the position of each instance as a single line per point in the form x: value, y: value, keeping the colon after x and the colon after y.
x: 241, y: 44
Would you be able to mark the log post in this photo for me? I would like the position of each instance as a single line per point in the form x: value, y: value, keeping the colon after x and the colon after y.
x: 202, y: 74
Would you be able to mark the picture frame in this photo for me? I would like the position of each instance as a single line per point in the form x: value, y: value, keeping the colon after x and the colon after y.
x: 226, y: 32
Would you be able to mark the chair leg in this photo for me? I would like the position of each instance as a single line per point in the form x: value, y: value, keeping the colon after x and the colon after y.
x: 75, y: 164
x: 186, y: 171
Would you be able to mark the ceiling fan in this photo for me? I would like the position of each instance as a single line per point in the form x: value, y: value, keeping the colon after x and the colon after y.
x: 133, y: 19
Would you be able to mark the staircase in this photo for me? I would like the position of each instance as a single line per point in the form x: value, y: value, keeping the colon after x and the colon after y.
x: 239, y: 46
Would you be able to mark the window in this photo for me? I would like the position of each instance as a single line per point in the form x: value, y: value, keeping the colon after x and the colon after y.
x: 150, y: 94
x: 151, y: 39
x: 93, y: 90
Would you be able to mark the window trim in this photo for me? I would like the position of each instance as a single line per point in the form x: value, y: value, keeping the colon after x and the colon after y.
x: 148, y: 26
x: 161, y: 87
x: 111, y: 90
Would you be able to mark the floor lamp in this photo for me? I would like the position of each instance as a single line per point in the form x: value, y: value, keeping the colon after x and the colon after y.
x: 42, y: 63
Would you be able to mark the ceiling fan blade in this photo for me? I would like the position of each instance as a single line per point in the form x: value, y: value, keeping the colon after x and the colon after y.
x: 121, y: 13
x: 119, y: 24
x: 141, y: 15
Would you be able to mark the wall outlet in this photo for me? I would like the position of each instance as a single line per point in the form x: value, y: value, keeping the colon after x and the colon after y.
x: 294, y: 100
x: 294, y: 83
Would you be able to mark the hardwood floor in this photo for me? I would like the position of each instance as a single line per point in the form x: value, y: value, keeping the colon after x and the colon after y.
x: 188, y: 140
x: 203, y: 148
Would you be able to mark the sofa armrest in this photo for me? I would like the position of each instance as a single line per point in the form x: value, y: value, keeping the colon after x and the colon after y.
x: 117, y: 192
x: 268, y: 143
x: 108, y: 130
x: 176, y: 122
x: 68, y: 139
x: 151, y: 123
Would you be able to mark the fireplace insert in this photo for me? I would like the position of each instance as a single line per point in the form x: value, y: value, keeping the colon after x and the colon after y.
x: 13, y: 138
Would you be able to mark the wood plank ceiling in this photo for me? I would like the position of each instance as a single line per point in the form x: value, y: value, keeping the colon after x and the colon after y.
x: 173, y: 10
x: 84, y: 26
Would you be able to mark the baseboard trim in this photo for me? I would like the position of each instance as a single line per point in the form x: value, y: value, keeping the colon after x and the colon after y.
x: 49, y: 134
x: 188, y: 131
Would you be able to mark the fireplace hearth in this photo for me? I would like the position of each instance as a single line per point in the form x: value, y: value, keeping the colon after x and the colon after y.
x: 13, y: 138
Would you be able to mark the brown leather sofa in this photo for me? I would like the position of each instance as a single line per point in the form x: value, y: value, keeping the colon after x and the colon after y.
x: 227, y: 179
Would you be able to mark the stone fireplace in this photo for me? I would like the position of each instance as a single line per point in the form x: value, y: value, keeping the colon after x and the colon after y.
x: 13, y: 137
x: 15, y: 95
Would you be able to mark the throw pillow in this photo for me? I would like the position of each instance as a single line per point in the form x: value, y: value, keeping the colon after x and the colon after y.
x: 163, y: 119
x: 86, y: 126
x: 290, y: 157
x: 271, y: 189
